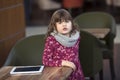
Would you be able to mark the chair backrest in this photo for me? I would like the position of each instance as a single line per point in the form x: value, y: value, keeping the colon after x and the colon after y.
x: 96, y: 20
x: 27, y: 51
x: 90, y: 54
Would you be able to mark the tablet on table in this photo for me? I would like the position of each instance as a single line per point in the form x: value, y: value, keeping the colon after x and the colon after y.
x: 27, y: 69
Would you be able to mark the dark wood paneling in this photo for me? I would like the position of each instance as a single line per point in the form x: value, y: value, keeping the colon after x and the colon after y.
x: 8, y: 3
x: 12, y: 25
x: 11, y: 21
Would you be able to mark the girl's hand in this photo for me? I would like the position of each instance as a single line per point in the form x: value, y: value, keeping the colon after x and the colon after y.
x: 69, y: 64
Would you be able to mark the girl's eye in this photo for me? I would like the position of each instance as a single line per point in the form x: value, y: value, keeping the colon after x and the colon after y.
x: 59, y: 22
x: 67, y: 21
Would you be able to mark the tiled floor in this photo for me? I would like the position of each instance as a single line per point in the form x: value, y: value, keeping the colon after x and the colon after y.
x: 32, y: 30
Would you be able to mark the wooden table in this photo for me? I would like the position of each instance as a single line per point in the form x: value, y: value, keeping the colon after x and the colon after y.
x: 98, y: 32
x: 49, y: 73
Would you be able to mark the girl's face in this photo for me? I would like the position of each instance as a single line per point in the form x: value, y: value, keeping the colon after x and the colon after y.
x: 64, y: 27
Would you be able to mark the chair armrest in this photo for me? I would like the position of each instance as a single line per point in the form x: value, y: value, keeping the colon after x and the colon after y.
x: 90, y: 54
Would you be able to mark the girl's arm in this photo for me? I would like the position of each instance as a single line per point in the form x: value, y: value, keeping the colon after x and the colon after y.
x: 48, y: 54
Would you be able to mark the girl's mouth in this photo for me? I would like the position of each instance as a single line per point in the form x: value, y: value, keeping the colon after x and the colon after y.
x: 64, y: 29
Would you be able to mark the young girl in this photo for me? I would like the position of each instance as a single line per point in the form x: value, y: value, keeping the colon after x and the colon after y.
x: 62, y: 41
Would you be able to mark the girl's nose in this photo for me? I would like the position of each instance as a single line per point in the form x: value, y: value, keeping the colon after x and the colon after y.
x: 64, y: 23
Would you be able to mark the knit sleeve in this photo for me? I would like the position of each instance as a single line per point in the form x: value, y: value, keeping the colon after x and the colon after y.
x: 49, y: 53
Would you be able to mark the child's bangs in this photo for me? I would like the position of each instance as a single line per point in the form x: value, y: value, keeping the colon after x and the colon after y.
x: 62, y: 17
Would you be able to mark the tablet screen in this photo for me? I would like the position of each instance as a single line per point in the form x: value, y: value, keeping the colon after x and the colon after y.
x: 26, y: 69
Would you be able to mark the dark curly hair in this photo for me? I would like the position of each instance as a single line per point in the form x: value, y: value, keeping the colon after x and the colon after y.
x: 59, y: 16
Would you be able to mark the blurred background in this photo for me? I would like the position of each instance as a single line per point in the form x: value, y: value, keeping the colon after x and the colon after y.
x: 38, y: 12
x: 22, y: 18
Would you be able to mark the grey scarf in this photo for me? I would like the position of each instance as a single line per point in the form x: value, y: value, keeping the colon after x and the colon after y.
x: 65, y: 40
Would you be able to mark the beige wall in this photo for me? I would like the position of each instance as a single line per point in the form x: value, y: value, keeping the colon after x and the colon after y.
x: 113, y: 2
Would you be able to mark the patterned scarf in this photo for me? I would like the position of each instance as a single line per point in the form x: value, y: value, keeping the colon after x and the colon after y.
x: 65, y: 40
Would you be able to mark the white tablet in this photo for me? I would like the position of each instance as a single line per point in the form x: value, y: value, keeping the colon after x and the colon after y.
x: 26, y: 69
